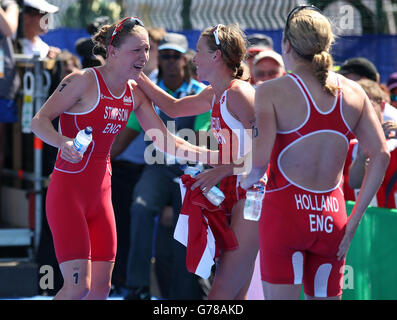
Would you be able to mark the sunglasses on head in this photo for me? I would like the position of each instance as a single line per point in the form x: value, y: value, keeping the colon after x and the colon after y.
x: 168, y: 56
x: 215, y: 32
x: 129, y: 22
x: 296, y: 10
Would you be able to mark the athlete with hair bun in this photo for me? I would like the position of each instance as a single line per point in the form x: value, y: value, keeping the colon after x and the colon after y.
x: 221, y: 51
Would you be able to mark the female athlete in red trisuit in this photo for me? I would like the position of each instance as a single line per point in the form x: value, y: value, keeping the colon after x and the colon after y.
x: 304, y: 122
x: 220, y: 54
x: 78, y: 204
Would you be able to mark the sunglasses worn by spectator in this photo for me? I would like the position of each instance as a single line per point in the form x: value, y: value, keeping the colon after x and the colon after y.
x: 129, y: 22
x: 393, y: 97
x: 167, y: 56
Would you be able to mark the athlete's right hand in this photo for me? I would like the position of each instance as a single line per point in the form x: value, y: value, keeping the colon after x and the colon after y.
x: 69, y: 153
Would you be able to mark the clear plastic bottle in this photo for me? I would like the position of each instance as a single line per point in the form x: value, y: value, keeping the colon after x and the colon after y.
x: 214, y: 195
x: 83, y: 140
x: 253, y: 202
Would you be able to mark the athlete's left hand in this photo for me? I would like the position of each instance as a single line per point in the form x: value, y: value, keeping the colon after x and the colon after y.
x: 254, y: 176
x: 211, y: 177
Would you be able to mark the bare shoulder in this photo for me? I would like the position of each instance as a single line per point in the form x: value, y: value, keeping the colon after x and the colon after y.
x: 207, y: 93
x: 350, y: 87
x: 241, y: 88
x: 79, y: 81
x: 240, y: 93
x: 353, y: 94
x: 240, y: 101
x: 274, y: 89
x: 139, y: 96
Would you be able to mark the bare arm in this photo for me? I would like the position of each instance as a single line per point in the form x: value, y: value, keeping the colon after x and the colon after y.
x: 358, y: 166
x: 186, y: 106
x: 163, y: 139
x: 372, y: 140
x: 69, y: 92
x: 9, y: 20
x: 357, y: 169
x: 264, y: 135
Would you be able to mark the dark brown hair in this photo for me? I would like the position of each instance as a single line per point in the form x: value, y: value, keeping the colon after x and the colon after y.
x: 104, y: 35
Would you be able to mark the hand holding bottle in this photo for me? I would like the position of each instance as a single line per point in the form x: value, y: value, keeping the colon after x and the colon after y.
x: 73, y: 150
x: 68, y: 151
x: 213, y: 193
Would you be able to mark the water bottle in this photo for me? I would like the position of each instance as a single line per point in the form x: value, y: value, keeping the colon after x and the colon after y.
x: 253, y: 201
x: 83, y: 140
x: 215, y: 195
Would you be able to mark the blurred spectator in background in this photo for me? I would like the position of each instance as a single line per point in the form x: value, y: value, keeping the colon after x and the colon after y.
x: 386, y: 92
x: 267, y: 65
x: 357, y: 161
x: 152, y: 67
x: 9, y: 80
x: 257, y: 42
x: 69, y: 61
x: 361, y: 68
x: 92, y: 56
x: 65, y: 63
x: 392, y: 86
x: 191, y: 65
x: 36, y: 23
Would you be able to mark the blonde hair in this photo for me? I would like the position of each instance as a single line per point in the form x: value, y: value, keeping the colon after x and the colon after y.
x: 310, y: 35
x: 232, y: 46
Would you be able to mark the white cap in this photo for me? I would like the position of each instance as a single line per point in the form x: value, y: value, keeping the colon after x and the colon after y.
x: 269, y: 54
x: 41, y: 5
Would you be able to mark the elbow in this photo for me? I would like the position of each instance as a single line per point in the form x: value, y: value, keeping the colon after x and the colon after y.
x: 34, y: 125
x: 171, y: 113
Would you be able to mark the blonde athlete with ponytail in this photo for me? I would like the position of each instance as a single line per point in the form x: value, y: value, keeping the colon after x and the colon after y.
x: 303, y: 123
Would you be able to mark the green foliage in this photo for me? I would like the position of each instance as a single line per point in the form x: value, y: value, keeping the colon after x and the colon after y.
x: 83, y: 12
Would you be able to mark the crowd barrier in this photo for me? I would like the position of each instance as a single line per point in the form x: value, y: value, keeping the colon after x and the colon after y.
x: 372, y: 257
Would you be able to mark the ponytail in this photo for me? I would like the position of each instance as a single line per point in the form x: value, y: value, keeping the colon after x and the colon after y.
x: 322, y: 62
x: 102, y: 38
x: 242, y: 72
x: 310, y: 35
